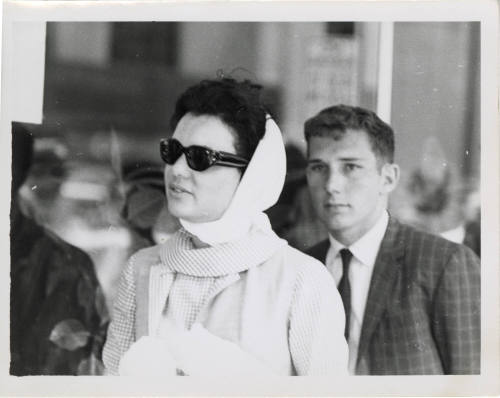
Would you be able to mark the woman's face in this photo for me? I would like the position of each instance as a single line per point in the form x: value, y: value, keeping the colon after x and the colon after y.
x: 201, y: 196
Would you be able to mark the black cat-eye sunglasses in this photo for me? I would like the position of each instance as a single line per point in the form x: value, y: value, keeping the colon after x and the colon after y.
x: 198, y: 158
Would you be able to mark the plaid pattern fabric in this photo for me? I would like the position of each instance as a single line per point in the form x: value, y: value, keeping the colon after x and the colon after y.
x: 423, y: 308
x: 121, y: 331
x: 186, y: 298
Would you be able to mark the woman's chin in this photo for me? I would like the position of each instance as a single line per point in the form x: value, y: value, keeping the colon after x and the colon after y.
x: 178, y: 210
x: 187, y: 212
x: 194, y: 218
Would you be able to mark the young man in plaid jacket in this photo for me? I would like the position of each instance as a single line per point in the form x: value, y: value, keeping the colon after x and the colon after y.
x: 412, y: 300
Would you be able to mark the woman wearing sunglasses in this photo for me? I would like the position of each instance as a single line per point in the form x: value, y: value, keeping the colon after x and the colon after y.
x: 225, y: 295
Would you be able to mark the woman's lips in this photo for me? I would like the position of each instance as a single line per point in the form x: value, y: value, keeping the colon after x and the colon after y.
x: 178, y: 189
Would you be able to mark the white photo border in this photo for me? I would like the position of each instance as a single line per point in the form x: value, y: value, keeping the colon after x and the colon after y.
x: 485, y: 11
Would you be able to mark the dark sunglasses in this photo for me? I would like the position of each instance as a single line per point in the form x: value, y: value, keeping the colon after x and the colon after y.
x: 198, y: 158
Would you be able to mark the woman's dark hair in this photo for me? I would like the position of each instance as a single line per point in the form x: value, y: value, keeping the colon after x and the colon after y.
x: 237, y: 104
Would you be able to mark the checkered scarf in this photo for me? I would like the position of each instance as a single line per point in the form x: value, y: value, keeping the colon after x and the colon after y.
x: 180, y: 254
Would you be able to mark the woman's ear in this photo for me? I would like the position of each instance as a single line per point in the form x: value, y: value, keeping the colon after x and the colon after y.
x: 390, y: 177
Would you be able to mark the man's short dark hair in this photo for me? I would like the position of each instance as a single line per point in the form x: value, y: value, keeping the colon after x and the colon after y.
x: 237, y: 104
x: 335, y: 120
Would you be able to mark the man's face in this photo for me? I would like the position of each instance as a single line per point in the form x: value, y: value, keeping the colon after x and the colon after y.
x: 348, y: 188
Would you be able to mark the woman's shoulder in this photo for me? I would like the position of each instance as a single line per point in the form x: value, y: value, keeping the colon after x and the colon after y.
x: 302, y: 259
x: 306, y: 277
x: 298, y: 264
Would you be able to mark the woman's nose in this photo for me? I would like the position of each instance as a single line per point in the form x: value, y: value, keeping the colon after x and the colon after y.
x: 180, y: 167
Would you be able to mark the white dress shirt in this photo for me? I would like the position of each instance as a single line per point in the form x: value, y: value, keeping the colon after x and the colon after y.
x: 364, y: 253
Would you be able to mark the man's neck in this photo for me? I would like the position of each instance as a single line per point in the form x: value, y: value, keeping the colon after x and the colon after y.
x: 350, y: 236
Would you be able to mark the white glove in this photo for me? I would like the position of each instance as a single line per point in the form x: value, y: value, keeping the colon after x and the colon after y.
x: 148, y: 356
x: 200, y: 353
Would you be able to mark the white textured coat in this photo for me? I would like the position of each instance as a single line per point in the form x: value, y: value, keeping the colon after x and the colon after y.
x: 285, y: 312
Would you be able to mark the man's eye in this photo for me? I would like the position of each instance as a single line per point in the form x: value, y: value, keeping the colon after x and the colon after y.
x: 318, y: 167
x: 350, y: 167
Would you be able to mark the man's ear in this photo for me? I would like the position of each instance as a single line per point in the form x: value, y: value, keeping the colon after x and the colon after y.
x: 390, y: 175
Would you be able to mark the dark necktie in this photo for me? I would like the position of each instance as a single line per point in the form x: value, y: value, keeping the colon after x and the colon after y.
x: 345, y: 288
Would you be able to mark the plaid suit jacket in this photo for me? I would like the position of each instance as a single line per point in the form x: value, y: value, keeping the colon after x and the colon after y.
x: 423, y: 308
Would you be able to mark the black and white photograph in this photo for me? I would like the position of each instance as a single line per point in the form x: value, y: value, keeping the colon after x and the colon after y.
x: 241, y: 191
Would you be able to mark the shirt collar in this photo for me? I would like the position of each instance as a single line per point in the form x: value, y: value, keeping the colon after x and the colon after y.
x: 365, y: 249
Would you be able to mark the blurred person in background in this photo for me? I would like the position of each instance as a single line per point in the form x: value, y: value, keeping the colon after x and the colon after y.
x: 224, y: 296
x: 412, y: 299
x: 145, y: 207
x: 293, y: 216
x: 57, y: 311
x: 436, y: 200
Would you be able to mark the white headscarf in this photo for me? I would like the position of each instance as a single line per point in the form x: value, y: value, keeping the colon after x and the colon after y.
x: 259, y: 189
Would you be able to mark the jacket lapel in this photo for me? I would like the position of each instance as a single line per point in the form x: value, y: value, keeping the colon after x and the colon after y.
x: 385, y: 270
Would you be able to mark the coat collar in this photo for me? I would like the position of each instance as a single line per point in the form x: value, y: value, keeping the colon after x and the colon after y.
x: 384, y: 273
